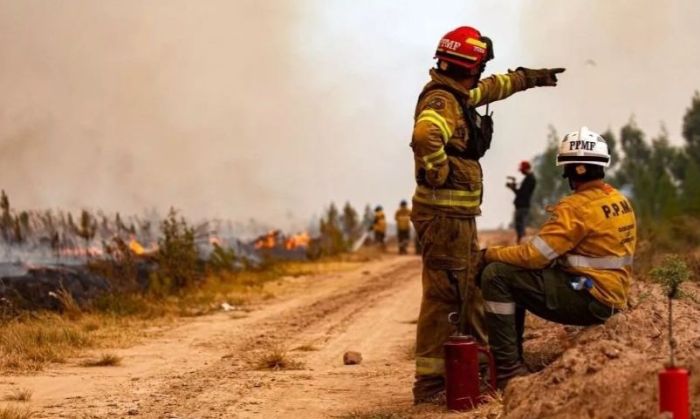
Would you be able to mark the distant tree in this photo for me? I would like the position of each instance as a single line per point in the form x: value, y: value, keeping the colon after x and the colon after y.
x: 691, y: 128
x: 691, y: 177
x: 24, y: 221
x: 71, y: 224
x: 6, y: 222
x: 351, y: 222
x: 332, y: 240
x: 650, y: 171
x: 20, y: 227
x: 637, y: 154
x: 551, y: 187
x: 690, y: 197
x: 87, y: 229
x: 121, y: 227
x: 48, y: 223
x: 105, y: 230
x: 177, y: 256
x: 18, y: 236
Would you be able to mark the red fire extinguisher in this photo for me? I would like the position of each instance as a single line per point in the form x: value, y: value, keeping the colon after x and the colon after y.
x: 462, y: 378
x: 673, y: 392
x: 673, y: 380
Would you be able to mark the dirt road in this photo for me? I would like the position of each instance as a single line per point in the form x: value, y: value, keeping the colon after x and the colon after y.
x: 208, y: 367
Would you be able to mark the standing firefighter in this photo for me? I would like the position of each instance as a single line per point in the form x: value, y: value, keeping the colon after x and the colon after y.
x: 577, y: 269
x: 523, y: 196
x: 403, y: 227
x: 379, y: 226
x: 449, y: 137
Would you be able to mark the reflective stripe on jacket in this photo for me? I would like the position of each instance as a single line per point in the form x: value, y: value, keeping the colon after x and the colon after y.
x: 440, y: 136
x: 592, y: 233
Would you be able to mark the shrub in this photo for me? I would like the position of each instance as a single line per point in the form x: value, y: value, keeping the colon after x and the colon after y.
x: 177, y: 257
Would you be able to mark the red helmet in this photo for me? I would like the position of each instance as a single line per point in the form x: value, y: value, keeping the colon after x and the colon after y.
x: 465, y: 47
x: 525, y: 165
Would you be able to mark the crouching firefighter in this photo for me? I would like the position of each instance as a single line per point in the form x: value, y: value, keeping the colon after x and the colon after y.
x: 576, y: 270
x: 449, y: 138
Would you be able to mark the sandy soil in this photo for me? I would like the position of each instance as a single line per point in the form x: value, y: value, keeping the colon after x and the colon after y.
x: 207, y: 367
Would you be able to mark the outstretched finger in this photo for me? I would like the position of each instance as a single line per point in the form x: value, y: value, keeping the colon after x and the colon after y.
x: 557, y: 70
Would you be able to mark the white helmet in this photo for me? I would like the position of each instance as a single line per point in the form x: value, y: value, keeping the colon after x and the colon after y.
x: 583, y: 146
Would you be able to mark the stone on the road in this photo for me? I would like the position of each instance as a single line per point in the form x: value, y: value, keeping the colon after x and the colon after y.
x: 352, y: 358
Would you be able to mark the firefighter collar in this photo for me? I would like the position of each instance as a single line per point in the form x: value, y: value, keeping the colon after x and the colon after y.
x: 593, y: 184
x: 447, y: 81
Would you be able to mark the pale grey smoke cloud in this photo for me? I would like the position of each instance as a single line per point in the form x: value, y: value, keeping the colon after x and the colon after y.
x: 272, y: 109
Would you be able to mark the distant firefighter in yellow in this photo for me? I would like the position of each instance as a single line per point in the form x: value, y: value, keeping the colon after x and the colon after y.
x: 403, y: 227
x: 449, y: 138
x: 379, y: 226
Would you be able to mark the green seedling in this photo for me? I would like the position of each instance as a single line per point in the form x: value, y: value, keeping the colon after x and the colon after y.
x: 672, y: 272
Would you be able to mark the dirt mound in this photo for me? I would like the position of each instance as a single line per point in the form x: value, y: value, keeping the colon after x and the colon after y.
x: 608, y: 371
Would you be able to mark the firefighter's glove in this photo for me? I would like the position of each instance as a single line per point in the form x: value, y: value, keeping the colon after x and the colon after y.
x: 541, y: 77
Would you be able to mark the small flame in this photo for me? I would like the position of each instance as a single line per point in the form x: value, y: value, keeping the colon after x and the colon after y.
x: 267, y: 241
x: 297, y: 241
x: 136, y: 247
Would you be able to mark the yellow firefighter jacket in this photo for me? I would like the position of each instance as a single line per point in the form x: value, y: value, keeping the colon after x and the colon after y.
x: 447, y: 182
x: 403, y: 219
x: 591, y: 233
x: 379, y: 225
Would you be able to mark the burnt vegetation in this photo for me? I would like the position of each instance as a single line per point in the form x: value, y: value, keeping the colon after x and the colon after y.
x: 74, y: 283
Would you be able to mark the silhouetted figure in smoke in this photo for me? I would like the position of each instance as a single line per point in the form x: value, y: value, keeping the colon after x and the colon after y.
x: 523, y: 196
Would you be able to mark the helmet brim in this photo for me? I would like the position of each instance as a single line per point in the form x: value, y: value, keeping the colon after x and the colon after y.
x: 563, y: 160
x: 469, y: 65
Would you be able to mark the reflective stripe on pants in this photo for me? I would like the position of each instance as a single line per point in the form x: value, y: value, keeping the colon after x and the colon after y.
x: 429, y: 366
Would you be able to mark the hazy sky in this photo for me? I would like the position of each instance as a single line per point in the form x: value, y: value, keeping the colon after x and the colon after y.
x: 272, y: 109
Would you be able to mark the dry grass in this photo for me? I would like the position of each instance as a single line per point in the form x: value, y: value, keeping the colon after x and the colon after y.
x: 105, y: 360
x: 31, y: 342
x: 30, y: 345
x: 69, y: 307
x: 491, y: 409
x: 19, y: 395
x: 13, y: 412
x: 276, y: 358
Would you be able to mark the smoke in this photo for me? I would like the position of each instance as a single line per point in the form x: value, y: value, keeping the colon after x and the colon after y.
x: 269, y: 110
x: 127, y: 105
